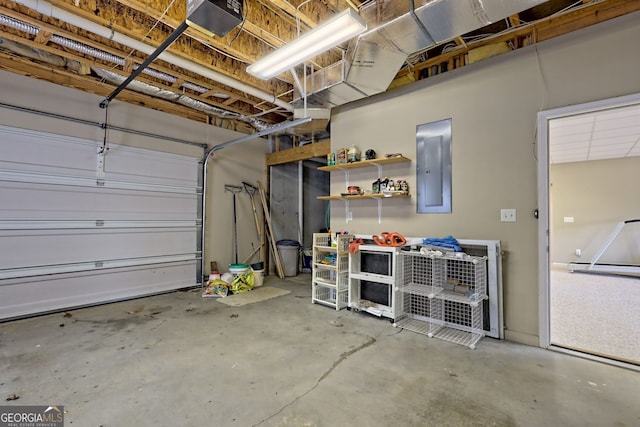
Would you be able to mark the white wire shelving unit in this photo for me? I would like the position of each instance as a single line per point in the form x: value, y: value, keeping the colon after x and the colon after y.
x: 442, y: 295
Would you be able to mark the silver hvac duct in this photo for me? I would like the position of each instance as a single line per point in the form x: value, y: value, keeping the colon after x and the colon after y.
x: 398, y: 29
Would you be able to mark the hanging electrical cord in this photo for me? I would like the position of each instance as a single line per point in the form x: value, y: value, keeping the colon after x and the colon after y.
x: 241, y: 27
x: 327, y: 217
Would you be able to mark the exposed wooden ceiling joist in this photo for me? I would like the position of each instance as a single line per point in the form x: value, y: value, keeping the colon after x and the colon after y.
x: 267, y: 24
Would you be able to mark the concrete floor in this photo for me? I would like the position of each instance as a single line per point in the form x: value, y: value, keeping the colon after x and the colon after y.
x: 181, y: 360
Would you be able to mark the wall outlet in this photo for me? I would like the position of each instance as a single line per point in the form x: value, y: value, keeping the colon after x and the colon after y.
x: 508, y: 215
x: 578, y: 252
x: 568, y: 219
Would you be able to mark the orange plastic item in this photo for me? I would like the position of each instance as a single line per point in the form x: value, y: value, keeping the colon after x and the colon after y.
x: 354, y: 245
x: 390, y: 239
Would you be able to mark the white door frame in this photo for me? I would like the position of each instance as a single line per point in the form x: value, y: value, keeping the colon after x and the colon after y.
x: 543, y: 198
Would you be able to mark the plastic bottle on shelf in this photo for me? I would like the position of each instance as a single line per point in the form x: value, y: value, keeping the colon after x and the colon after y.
x: 405, y: 187
x: 341, y: 156
x: 375, y: 187
x: 391, y: 185
x: 331, y: 159
x: 383, y: 184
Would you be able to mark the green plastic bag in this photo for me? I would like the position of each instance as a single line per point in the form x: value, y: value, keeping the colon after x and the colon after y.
x: 242, y: 282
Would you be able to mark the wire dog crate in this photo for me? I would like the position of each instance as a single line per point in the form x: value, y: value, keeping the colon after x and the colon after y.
x: 442, y: 296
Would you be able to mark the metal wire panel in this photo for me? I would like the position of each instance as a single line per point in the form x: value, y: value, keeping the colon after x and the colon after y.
x: 467, y: 276
x: 421, y: 275
x: 441, y: 296
x: 458, y: 336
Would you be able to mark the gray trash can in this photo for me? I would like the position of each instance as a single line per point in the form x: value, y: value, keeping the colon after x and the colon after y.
x: 289, y: 251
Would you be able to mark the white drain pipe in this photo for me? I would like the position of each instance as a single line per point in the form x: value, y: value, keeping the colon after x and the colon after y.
x: 52, y: 11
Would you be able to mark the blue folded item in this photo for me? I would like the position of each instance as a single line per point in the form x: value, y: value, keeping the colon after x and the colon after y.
x: 445, y: 242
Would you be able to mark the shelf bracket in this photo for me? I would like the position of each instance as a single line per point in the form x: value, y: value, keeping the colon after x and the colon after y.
x: 379, y: 170
x: 346, y: 177
x: 347, y: 214
x: 379, y: 211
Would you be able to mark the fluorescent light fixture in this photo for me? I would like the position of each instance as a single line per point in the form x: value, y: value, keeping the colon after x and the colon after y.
x: 331, y: 33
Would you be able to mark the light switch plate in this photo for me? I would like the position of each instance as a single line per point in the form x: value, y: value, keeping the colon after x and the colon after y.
x: 508, y: 215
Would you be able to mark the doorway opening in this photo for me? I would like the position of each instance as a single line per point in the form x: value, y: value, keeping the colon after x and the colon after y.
x: 589, y: 241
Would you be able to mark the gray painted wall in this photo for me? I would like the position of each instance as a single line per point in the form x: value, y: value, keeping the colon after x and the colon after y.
x: 284, y: 201
x: 494, y: 106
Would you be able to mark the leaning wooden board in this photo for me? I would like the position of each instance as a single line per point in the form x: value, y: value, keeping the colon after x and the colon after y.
x: 274, y: 247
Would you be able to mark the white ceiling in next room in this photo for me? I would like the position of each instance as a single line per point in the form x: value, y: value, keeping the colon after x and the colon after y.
x: 605, y: 134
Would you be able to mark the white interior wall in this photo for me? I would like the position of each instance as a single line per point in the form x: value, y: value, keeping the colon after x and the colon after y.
x: 494, y: 107
x: 234, y: 164
x: 596, y: 205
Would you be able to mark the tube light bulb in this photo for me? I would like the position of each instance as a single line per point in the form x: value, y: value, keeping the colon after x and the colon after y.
x: 331, y: 33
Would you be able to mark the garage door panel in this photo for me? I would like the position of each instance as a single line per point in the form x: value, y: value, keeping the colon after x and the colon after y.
x: 88, y: 172
x: 26, y: 296
x: 50, y: 247
x: 130, y: 164
x: 77, y: 228
x: 43, y: 201
x: 47, y: 153
x: 43, y: 153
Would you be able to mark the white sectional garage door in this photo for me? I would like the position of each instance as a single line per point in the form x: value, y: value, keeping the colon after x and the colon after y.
x: 77, y: 228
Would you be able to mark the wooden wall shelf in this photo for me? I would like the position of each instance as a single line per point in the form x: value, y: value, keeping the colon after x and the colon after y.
x: 379, y: 197
x: 363, y: 196
x: 364, y: 163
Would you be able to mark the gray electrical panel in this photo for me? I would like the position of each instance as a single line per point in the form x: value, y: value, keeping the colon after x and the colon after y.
x: 433, y: 171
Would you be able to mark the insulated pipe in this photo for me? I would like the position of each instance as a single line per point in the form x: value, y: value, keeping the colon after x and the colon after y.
x: 48, y: 9
x: 268, y: 131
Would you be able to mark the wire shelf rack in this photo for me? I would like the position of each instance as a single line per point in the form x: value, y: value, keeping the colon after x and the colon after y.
x: 330, y: 274
x: 442, y: 296
x: 421, y: 274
